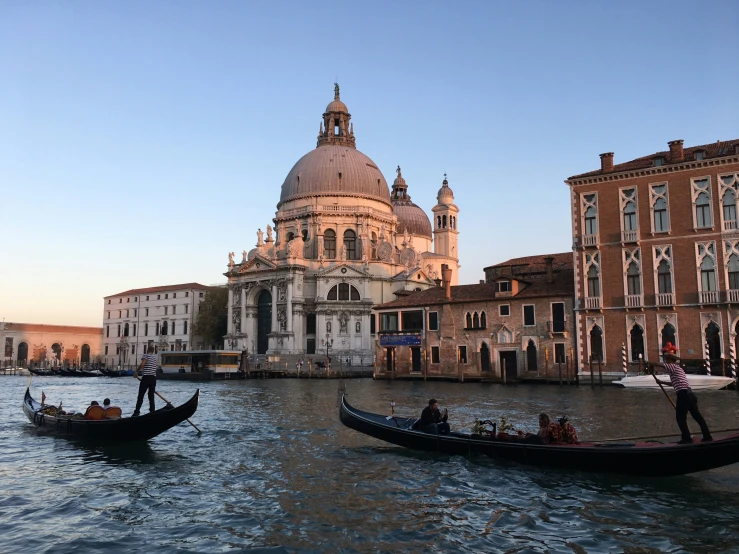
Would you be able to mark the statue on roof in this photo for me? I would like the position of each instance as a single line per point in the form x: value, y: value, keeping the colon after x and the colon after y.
x: 398, y: 171
x: 260, y: 237
x: 336, y: 91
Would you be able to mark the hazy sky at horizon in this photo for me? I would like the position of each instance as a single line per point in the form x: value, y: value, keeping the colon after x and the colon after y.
x: 140, y: 142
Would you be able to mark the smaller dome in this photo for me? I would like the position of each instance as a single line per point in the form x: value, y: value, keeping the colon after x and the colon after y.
x: 445, y: 190
x: 337, y: 106
x: 412, y: 218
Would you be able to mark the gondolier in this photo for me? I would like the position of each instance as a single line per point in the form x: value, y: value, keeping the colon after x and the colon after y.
x: 148, y: 369
x: 686, y: 399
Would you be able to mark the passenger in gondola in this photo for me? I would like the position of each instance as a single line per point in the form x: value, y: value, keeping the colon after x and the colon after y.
x: 567, y: 433
x: 94, y: 411
x: 548, y: 432
x: 433, y: 421
x: 111, y: 412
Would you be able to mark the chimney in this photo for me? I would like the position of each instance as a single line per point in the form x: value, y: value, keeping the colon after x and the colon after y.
x: 549, y: 261
x: 446, y: 277
x: 676, y: 151
x: 606, y: 162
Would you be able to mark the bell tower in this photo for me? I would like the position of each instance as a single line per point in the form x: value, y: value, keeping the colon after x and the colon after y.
x: 336, y: 127
x: 446, y: 234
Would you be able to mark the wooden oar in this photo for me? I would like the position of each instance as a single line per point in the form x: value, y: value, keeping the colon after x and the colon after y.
x: 663, y: 388
x: 168, y: 402
x: 657, y: 436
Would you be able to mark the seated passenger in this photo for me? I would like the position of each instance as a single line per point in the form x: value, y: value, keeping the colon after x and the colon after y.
x: 548, y: 432
x: 432, y: 421
x: 94, y: 411
x: 567, y: 433
x: 111, y: 412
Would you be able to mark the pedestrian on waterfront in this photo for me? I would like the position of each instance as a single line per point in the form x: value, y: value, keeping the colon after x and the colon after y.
x: 148, y: 368
x: 432, y: 420
x: 686, y: 399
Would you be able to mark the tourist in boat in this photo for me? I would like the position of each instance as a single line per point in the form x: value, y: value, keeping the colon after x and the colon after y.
x: 432, y: 420
x: 148, y: 368
x: 686, y: 399
x: 547, y: 434
x: 567, y: 433
x: 94, y: 411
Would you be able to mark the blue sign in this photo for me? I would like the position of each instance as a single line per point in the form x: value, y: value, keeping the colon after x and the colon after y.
x: 401, y: 339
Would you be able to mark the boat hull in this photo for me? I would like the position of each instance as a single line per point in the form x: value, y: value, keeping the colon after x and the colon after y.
x: 646, y: 459
x: 697, y: 382
x: 125, y: 429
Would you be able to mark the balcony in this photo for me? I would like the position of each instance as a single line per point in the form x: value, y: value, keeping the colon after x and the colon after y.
x: 665, y: 299
x: 732, y: 296
x: 730, y: 225
x: 588, y: 240
x: 592, y: 302
x: 709, y: 297
x: 630, y: 236
x: 634, y: 300
x: 558, y: 327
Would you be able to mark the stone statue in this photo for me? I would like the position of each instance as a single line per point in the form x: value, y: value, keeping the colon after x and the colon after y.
x: 382, y: 232
x: 406, y: 238
x: 343, y: 251
x: 260, y: 237
x: 328, y: 326
x: 336, y: 90
x: 243, y: 257
x: 230, y: 259
x: 282, y: 318
x: 359, y: 327
x: 281, y: 291
x: 269, y: 233
x: 342, y: 322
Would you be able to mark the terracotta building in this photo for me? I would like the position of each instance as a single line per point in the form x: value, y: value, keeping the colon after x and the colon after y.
x: 656, y: 253
x: 52, y: 344
x: 516, y: 324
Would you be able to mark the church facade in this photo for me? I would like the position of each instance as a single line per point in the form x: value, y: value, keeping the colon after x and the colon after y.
x: 340, y: 243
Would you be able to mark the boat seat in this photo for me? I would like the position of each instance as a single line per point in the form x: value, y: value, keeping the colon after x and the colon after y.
x: 94, y: 413
x: 413, y: 424
x: 114, y: 412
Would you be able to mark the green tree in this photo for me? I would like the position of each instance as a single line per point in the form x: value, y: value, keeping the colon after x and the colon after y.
x: 211, y: 323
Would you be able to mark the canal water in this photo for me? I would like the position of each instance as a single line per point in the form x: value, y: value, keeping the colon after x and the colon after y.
x: 275, y: 471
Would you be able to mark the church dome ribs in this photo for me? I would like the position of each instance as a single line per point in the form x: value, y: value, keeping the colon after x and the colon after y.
x: 411, y: 217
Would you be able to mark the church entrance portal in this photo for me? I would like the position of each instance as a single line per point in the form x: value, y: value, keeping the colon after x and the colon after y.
x: 264, y: 321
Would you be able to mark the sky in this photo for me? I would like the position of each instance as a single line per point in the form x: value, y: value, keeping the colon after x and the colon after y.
x: 140, y: 141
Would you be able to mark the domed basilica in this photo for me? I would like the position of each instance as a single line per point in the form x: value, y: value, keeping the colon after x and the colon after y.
x: 342, y: 242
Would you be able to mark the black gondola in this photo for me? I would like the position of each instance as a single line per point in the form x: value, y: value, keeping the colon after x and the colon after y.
x: 69, y: 372
x: 42, y: 372
x: 632, y: 458
x: 141, y: 428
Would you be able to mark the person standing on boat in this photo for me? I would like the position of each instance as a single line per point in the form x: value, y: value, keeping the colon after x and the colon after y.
x: 686, y: 399
x: 148, y: 368
x: 432, y: 420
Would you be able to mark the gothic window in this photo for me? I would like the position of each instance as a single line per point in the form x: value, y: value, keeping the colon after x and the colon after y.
x: 596, y: 343
x: 632, y: 260
x: 733, y: 269
x: 350, y: 242
x: 668, y: 335
x: 483, y: 320
x: 593, y: 282
x: 637, y: 342
x: 373, y: 246
x: 702, y: 203
x: 590, y: 209
x: 628, y: 209
x: 329, y: 244
x: 468, y: 319
x: 664, y: 277
x: 707, y: 265
x: 343, y: 291
x: 659, y: 205
x: 476, y: 321
x: 729, y: 186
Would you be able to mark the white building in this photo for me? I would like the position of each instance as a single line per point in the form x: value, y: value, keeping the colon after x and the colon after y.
x: 342, y: 243
x: 159, y: 316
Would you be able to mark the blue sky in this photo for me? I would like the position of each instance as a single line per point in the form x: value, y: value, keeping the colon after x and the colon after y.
x: 140, y: 142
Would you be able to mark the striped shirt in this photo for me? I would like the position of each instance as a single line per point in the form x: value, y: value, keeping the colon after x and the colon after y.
x: 150, y: 367
x: 677, y: 377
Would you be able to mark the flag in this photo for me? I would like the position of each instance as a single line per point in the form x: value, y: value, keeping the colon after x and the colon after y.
x: 43, y: 398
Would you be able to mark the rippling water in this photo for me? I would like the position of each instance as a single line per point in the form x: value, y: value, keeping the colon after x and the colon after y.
x: 275, y: 471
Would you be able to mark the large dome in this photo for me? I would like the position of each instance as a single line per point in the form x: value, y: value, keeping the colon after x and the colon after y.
x: 335, y: 170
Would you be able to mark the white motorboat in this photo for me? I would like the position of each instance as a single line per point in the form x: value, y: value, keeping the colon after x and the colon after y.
x: 697, y: 382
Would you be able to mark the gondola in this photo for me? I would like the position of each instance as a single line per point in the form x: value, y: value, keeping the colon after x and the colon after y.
x: 654, y: 459
x: 42, y: 372
x: 141, y: 428
x: 117, y: 372
x: 78, y: 373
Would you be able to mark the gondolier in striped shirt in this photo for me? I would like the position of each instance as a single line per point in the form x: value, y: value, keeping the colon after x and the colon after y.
x: 148, y: 368
x: 686, y: 399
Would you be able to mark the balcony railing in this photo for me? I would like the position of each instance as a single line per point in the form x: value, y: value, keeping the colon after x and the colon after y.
x: 592, y: 302
x: 665, y: 299
x: 730, y: 225
x: 589, y: 240
x: 630, y: 236
x: 557, y: 327
x: 634, y: 300
x: 732, y: 295
x: 709, y: 296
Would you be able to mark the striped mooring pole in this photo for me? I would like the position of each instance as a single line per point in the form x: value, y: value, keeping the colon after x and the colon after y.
x: 623, y: 358
x: 732, y: 359
x: 707, y: 358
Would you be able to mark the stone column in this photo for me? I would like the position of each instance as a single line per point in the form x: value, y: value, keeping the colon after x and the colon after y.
x: 274, y: 308
x: 289, y: 312
x: 230, y: 323
x: 244, y: 328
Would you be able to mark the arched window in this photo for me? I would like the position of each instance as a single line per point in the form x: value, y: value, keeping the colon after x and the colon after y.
x: 596, y: 343
x: 702, y: 210
x: 733, y: 268
x: 290, y: 236
x: 593, y: 282
x: 668, y: 335
x: 438, y: 222
x: 713, y: 341
x: 350, y: 242
x: 483, y: 321
x: 660, y: 213
x: 329, y: 244
x: 633, y: 281
x: 343, y: 291
x: 664, y: 277
x: 730, y: 209
x: 484, y: 357
x: 708, y: 274
x: 476, y: 321
x: 630, y: 216
x: 591, y: 221
x: 469, y: 320
x: 125, y: 330
x: 373, y: 246
x: 532, y: 361
x: 443, y: 221
x: 637, y: 342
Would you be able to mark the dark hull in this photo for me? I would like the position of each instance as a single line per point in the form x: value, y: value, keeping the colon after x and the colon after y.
x: 126, y: 429
x: 78, y: 373
x: 649, y: 459
x: 117, y: 372
x: 42, y: 372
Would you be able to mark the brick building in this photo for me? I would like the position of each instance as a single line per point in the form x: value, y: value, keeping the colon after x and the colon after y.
x: 656, y: 254
x: 516, y: 324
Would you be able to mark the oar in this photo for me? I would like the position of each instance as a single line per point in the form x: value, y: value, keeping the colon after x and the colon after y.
x: 663, y: 388
x: 168, y: 402
x: 658, y: 436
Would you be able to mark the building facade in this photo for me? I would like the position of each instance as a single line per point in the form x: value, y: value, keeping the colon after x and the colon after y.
x: 49, y: 344
x: 656, y: 255
x: 341, y: 243
x: 162, y: 317
x: 517, y: 324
